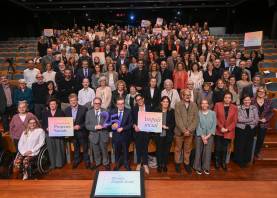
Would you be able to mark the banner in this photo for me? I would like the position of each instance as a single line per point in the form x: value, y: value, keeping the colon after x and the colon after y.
x: 157, y: 30
x: 159, y: 21
x: 252, y: 39
x: 145, y: 23
x: 100, y: 55
x: 48, y: 32
x: 150, y: 121
x: 60, y: 126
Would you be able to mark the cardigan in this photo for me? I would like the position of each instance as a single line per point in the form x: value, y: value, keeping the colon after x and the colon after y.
x: 267, y: 112
x: 252, y: 120
x: 17, y: 126
x: 207, y: 123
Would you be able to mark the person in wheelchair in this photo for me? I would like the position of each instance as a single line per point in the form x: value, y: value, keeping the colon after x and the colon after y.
x: 29, y: 145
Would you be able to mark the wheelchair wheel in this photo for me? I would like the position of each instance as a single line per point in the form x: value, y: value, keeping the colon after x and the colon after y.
x: 43, y: 162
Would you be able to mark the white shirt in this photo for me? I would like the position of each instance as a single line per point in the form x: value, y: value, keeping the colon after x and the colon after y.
x: 22, y: 117
x: 152, y: 92
x: 197, y: 78
x: 32, y: 141
x: 49, y: 76
x: 30, y: 76
x: 85, y: 96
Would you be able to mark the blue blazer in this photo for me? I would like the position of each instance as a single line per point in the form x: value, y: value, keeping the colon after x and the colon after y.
x: 126, y: 124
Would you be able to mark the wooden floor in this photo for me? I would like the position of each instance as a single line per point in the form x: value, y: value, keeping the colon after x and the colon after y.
x: 154, y: 189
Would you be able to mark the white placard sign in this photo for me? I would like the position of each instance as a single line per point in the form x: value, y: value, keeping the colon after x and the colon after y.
x: 150, y: 121
x: 252, y: 39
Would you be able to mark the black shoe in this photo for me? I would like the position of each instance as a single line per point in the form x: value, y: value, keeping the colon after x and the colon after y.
x: 107, y: 167
x: 177, y: 168
x: 75, y: 165
x: 159, y: 169
x: 127, y: 167
x: 216, y: 163
x: 188, y: 169
x: 165, y: 169
x: 224, y: 166
x: 95, y: 167
x: 87, y: 165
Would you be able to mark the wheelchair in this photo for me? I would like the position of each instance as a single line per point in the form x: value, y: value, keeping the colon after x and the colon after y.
x: 39, y: 165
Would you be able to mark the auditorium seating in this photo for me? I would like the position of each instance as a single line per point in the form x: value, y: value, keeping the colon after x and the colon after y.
x: 21, y: 49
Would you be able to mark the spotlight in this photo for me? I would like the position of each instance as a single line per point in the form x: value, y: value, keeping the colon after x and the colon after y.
x: 132, y: 17
x: 179, y: 12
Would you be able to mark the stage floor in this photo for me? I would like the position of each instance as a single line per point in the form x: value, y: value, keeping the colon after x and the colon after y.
x: 154, y: 188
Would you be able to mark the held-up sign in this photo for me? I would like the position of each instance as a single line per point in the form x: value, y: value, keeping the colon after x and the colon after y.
x: 157, y: 30
x: 252, y: 39
x: 159, y: 21
x: 48, y: 32
x: 60, y: 126
x: 145, y: 23
x: 150, y: 121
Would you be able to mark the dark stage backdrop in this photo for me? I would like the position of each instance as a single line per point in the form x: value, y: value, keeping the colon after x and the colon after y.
x: 250, y: 16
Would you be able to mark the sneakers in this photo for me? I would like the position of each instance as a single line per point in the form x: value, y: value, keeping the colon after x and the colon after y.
x: 206, y: 172
x: 198, y: 172
x: 25, y: 176
x: 146, y: 169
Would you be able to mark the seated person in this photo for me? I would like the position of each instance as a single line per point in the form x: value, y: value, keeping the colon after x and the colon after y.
x: 30, y: 143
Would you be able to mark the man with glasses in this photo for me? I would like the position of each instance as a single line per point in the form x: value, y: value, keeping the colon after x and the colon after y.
x: 121, y: 134
x: 98, y: 134
x: 186, y: 116
x: 30, y: 73
x: 39, y: 90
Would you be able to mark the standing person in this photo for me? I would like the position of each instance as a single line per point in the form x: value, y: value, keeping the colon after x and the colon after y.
x: 83, y: 72
x: 232, y: 87
x: 164, y: 139
x: 171, y: 93
x: 226, y: 115
x: 204, y: 138
x: 186, y: 115
x: 130, y: 101
x: 39, y: 90
x: 140, y: 76
x: 30, y: 73
x: 121, y: 134
x: 7, y: 107
x: 104, y: 92
x: 265, y: 111
x: 152, y: 94
x: 66, y: 86
x: 248, y: 119
x: 180, y: 77
x: 48, y: 58
x: 141, y: 137
x: 219, y: 91
x: 251, y: 89
x: 49, y: 74
x: 19, y: 121
x: 98, y: 134
x: 29, y: 145
x: 86, y: 94
x: 23, y: 93
x: 205, y: 93
x: 95, y: 76
x: 78, y: 113
x: 165, y: 74
x: 244, y: 82
x: 120, y: 92
x: 55, y: 145
x: 196, y: 75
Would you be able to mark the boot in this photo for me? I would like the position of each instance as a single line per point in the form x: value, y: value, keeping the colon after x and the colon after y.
x: 217, y: 163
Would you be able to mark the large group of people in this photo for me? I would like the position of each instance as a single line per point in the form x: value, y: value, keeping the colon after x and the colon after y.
x: 208, y: 90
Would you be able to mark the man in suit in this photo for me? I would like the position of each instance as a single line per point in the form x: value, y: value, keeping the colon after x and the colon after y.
x: 186, y: 116
x: 84, y: 72
x: 78, y: 113
x: 84, y: 56
x: 251, y: 90
x: 121, y: 60
x: 165, y: 74
x: 226, y: 60
x: 98, y: 134
x: 233, y: 69
x: 172, y: 60
x: 7, y: 107
x: 121, y: 134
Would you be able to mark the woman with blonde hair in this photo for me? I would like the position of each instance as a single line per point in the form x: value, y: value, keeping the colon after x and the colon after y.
x: 120, y: 92
x: 104, y: 92
x: 29, y: 145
